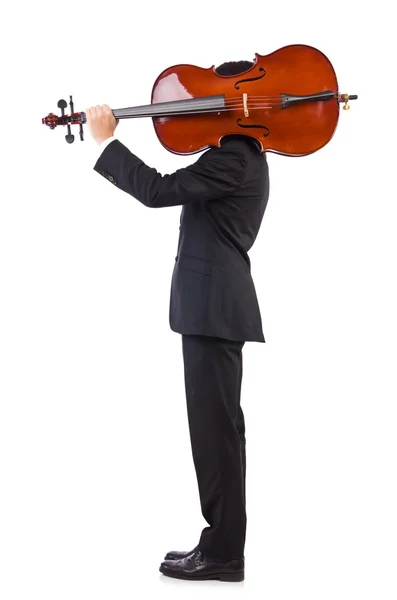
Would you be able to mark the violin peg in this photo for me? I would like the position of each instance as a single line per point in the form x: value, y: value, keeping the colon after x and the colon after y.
x: 69, y: 137
x: 72, y: 119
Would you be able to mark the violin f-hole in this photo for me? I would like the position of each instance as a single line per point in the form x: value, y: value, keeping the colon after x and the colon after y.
x: 251, y: 79
x: 254, y: 127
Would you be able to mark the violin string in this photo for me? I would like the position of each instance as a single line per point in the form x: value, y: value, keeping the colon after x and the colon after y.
x: 203, y: 112
x: 204, y: 103
x: 203, y: 107
x: 237, y: 99
x: 207, y: 103
x: 197, y: 105
x: 249, y: 96
x: 197, y: 108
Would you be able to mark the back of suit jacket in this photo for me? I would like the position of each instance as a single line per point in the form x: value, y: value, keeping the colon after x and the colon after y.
x: 223, y: 196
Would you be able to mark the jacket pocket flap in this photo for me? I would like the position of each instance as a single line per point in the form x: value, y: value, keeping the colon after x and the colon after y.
x: 194, y: 263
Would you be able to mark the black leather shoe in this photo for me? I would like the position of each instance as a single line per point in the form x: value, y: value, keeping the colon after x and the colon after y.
x: 195, y: 568
x: 177, y: 555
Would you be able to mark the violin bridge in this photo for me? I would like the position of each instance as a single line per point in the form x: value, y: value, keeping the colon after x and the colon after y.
x: 245, y: 102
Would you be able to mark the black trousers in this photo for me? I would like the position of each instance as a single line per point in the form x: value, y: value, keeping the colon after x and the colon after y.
x: 213, y: 369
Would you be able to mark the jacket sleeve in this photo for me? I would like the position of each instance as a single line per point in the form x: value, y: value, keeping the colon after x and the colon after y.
x: 217, y: 173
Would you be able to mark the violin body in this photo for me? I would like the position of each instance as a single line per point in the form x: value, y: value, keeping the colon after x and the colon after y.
x: 296, y: 130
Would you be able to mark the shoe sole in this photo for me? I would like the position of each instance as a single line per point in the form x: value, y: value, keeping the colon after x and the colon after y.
x: 233, y: 577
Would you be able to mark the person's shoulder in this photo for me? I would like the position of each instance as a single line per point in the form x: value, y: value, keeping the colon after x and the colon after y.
x: 242, y: 144
x: 232, y: 145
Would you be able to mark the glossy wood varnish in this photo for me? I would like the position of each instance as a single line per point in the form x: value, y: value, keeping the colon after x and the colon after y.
x: 296, y: 130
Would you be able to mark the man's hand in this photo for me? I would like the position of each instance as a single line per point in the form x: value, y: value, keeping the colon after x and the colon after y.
x: 101, y: 122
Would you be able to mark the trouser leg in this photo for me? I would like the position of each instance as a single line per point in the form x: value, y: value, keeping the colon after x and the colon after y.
x: 213, y: 375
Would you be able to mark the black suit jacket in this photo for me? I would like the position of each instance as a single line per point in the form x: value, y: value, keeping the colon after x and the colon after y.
x: 223, y: 197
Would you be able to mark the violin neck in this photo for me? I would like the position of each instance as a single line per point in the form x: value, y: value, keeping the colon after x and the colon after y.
x: 175, y: 107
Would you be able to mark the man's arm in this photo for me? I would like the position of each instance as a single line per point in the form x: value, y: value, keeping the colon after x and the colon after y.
x: 217, y: 173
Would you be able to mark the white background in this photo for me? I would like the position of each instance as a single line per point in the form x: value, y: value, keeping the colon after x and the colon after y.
x: 97, y: 480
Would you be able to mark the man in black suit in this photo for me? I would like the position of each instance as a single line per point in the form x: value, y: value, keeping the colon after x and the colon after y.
x: 213, y: 305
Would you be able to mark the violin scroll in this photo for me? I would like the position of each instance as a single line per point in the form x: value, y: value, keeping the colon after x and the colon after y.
x: 78, y: 118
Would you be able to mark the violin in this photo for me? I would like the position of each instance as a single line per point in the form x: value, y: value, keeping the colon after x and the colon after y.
x: 288, y: 101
